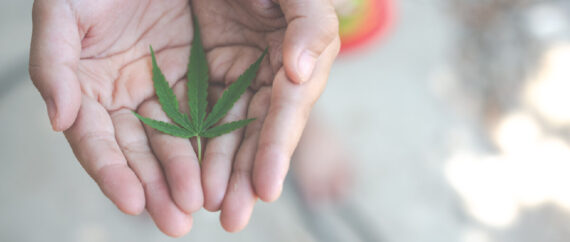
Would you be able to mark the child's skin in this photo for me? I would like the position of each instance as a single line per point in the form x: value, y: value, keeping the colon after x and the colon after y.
x: 90, y: 61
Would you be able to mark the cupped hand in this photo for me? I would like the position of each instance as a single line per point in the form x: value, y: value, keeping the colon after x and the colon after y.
x: 302, y: 38
x: 90, y: 61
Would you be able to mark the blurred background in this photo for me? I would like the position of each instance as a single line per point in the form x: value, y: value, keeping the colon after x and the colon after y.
x: 456, y: 122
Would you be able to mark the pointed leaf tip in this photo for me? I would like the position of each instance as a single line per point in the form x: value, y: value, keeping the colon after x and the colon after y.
x: 226, y: 128
x: 197, y: 79
x: 166, y: 96
x: 166, y: 128
x: 233, y: 93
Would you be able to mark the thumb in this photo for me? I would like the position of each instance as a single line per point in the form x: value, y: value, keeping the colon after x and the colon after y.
x: 54, y: 55
x: 312, y: 25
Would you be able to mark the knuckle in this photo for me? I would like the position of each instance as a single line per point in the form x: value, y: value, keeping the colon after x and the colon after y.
x: 217, y: 156
x: 330, y: 27
x: 269, y: 150
x: 175, y: 158
x: 36, y: 72
x: 136, y: 147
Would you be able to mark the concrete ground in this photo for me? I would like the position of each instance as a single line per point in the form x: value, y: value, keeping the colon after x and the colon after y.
x: 380, y: 101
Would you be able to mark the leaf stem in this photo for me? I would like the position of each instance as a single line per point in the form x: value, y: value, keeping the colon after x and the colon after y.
x: 199, y: 149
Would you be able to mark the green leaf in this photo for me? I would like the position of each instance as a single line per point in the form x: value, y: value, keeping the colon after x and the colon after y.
x: 167, y: 128
x: 225, y: 128
x: 232, y: 94
x: 166, y: 96
x: 197, y: 79
x: 198, y: 124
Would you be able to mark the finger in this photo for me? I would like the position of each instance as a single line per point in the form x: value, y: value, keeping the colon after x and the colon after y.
x: 54, y: 56
x: 312, y: 25
x: 220, y: 153
x: 133, y: 142
x: 178, y: 159
x: 240, y: 196
x: 290, y: 108
x: 92, y: 139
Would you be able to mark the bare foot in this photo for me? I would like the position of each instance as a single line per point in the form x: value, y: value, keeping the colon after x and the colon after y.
x: 321, y: 165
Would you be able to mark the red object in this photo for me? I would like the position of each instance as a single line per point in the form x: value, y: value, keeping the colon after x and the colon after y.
x: 373, y: 21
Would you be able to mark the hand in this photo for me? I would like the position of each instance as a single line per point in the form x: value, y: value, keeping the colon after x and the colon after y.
x: 90, y: 61
x: 302, y: 37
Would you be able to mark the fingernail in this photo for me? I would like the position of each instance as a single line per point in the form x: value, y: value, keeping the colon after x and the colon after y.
x: 306, y: 66
x: 52, y: 111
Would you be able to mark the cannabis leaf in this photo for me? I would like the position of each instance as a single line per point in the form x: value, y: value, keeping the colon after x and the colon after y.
x: 199, y: 124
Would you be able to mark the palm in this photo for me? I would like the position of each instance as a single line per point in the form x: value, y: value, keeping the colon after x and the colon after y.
x: 114, y: 67
x: 114, y: 74
x: 90, y: 61
x: 234, y: 34
x: 134, y: 167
